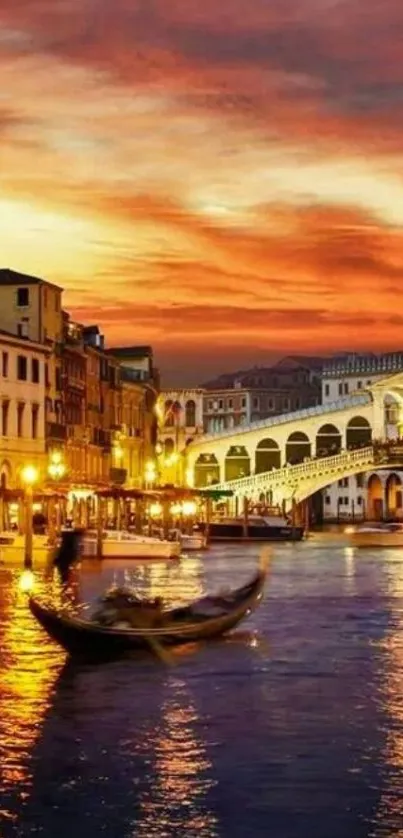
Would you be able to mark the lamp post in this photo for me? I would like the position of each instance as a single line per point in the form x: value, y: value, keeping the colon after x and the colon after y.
x: 56, y: 470
x: 29, y: 476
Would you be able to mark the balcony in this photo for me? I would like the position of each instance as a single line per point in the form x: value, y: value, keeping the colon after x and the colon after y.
x: 117, y: 476
x: 56, y: 431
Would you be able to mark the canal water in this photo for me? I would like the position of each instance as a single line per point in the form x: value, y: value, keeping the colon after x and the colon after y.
x: 292, y: 728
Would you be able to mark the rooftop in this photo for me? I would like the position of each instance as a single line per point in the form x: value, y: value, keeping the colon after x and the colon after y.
x: 130, y: 351
x: 10, y: 277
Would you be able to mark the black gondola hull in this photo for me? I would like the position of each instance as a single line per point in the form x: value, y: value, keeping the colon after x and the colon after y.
x: 87, y: 640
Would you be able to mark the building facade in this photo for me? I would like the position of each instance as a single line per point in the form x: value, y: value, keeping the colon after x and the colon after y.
x: 23, y: 398
x: 180, y: 421
x: 373, y: 495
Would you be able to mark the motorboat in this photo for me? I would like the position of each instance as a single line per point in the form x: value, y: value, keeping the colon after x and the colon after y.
x: 377, y: 535
x: 129, y: 624
x: 256, y: 527
x: 123, y: 544
x: 189, y: 541
x: 12, y: 547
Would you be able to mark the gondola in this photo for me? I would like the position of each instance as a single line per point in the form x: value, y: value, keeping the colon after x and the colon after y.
x: 206, y: 618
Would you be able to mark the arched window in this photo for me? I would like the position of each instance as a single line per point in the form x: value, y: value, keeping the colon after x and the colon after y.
x: 359, y: 432
x: 237, y: 463
x: 168, y: 414
x: 206, y: 471
x: 267, y: 456
x: 190, y: 414
x: 168, y: 447
x: 328, y: 441
x: 297, y: 448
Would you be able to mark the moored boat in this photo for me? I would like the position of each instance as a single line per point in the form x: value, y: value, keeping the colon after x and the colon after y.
x: 377, y: 535
x: 255, y: 528
x: 206, y: 618
x: 122, y: 544
x: 12, y: 547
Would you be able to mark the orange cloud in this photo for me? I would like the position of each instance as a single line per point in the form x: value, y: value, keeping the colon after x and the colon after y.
x: 208, y: 177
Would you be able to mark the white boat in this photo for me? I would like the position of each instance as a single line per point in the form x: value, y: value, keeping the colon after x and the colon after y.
x: 377, y: 535
x: 12, y: 547
x: 192, y: 541
x: 122, y: 544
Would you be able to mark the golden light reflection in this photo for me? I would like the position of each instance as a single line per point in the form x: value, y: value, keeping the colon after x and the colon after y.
x: 30, y: 667
x: 26, y: 582
x: 390, y: 805
x: 176, y: 803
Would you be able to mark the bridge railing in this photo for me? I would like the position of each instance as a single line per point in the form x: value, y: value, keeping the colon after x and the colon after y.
x: 309, y: 468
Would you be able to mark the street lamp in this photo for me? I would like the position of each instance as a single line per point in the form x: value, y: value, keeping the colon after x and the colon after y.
x: 150, y: 473
x: 29, y: 476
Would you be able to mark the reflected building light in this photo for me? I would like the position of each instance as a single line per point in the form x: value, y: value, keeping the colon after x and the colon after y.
x: 389, y: 814
x: 176, y: 802
x: 30, y: 668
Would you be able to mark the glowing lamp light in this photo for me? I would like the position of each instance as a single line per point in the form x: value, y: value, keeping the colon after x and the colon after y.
x: 155, y: 510
x: 118, y: 452
x: 189, y: 507
x: 175, y: 509
x: 189, y: 477
x: 26, y: 582
x: 29, y: 475
x: 158, y: 449
x: 150, y: 472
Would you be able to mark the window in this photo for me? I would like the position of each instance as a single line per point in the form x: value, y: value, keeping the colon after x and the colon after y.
x: 327, y: 499
x: 47, y: 379
x: 360, y: 481
x: 230, y: 403
x: 327, y: 389
x: 5, y: 364
x: 20, y: 418
x: 220, y: 404
x: 359, y: 501
x: 58, y: 379
x: 210, y: 405
x: 22, y: 297
x: 369, y: 382
x: 21, y: 368
x: 4, y: 410
x: 243, y: 402
x: 359, y: 385
x: 346, y: 387
x: 256, y: 402
x: 34, y: 421
x: 35, y: 370
x: 286, y: 404
x: 343, y: 482
x: 297, y: 403
x: 271, y: 404
x: 340, y: 389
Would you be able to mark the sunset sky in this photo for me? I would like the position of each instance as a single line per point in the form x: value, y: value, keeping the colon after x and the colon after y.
x: 222, y: 180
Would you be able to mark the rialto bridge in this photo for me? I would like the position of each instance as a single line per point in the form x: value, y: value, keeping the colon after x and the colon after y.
x: 287, y: 458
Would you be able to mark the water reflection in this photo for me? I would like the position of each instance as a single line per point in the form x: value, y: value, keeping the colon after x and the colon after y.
x: 391, y: 694
x: 30, y: 666
x: 174, y: 805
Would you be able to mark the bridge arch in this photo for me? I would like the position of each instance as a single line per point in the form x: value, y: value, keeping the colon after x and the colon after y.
x: 237, y: 462
x: 328, y: 441
x: 206, y: 470
x: 298, y: 446
x: 267, y: 456
x: 358, y: 432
